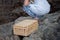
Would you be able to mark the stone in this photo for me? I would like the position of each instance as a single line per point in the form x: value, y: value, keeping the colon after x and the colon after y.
x: 6, y: 29
x: 48, y: 29
x: 6, y: 32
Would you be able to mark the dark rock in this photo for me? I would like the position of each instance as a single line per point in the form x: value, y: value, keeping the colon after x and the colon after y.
x: 6, y: 29
x: 48, y: 28
x: 6, y: 32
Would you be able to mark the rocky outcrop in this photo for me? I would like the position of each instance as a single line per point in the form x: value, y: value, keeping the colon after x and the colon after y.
x: 6, y: 32
x: 49, y: 29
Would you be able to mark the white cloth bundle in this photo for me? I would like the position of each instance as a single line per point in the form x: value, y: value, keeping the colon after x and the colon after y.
x: 39, y: 7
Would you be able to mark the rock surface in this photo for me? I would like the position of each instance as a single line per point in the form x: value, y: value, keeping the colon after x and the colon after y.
x: 6, y: 32
x: 49, y: 29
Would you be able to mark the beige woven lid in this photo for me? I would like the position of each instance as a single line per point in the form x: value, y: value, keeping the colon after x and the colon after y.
x: 26, y: 22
